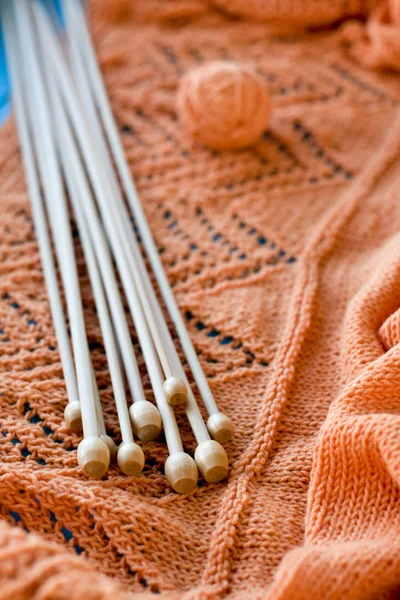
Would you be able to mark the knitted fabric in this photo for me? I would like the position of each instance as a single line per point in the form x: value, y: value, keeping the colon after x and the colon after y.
x: 378, y: 43
x: 285, y: 261
x: 300, y: 13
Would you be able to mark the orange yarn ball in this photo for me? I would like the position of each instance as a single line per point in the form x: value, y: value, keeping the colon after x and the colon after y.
x: 224, y: 105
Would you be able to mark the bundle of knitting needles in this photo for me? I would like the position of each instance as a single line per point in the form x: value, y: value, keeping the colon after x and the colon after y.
x: 74, y: 161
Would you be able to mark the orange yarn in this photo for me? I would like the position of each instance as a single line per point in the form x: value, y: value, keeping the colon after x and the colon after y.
x: 378, y: 43
x: 114, y: 11
x: 304, y: 14
x: 285, y: 261
x: 224, y: 105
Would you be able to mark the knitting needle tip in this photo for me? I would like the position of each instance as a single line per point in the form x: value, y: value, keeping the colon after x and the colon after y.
x: 220, y: 427
x: 146, y: 420
x: 212, y: 461
x: 93, y: 457
x: 181, y: 472
x: 175, y: 391
x: 73, y: 416
x: 130, y: 458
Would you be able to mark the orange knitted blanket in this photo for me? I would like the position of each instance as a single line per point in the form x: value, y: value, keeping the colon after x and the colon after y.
x: 285, y: 260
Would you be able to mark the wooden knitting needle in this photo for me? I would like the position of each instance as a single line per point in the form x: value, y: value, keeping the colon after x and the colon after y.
x: 174, y: 388
x: 93, y: 453
x: 218, y: 424
x: 130, y: 455
x: 72, y: 414
x: 102, y: 189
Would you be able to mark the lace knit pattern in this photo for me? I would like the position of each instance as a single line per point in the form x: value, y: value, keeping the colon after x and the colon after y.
x: 285, y: 262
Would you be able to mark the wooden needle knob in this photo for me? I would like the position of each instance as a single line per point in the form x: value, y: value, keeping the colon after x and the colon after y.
x: 93, y: 457
x: 220, y: 427
x: 146, y: 420
x: 73, y: 416
x: 111, y: 446
x: 130, y: 458
x: 175, y: 391
x: 181, y: 472
x: 212, y: 461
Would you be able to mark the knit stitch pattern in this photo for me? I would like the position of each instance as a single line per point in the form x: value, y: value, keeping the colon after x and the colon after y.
x: 284, y: 259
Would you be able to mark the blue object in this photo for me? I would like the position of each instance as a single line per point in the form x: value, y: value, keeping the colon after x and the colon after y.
x: 54, y: 7
x: 4, y: 87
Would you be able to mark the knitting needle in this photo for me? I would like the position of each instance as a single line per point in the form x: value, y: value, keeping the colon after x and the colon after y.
x: 174, y: 388
x: 72, y: 413
x: 93, y: 453
x: 130, y: 455
x: 218, y: 424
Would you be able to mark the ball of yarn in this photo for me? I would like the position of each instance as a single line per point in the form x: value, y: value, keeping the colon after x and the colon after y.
x: 224, y: 105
